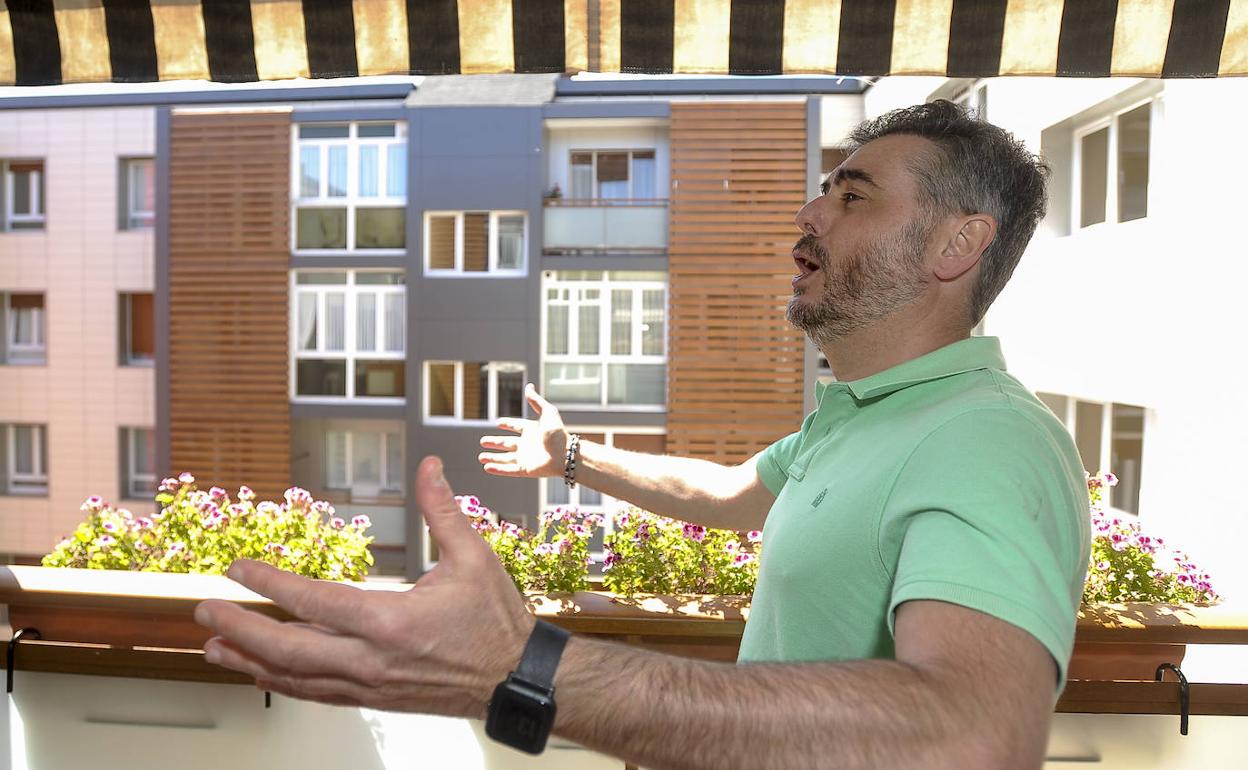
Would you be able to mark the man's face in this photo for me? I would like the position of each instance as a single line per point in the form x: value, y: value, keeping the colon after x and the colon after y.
x: 864, y: 242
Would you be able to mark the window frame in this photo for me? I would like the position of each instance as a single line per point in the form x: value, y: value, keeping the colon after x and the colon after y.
x: 38, y: 189
x: 632, y: 196
x: 492, y: 270
x: 133, y: 218
x: 352, y: 201
x: 19, y: 352
x: 1110, y: 121
x: 32, y: 484
x: 604, y: 357
x: 138, y: 485
x: 128, y: 356
x: 493, y: 368
x: 350, y: 354
x: 383, y: 491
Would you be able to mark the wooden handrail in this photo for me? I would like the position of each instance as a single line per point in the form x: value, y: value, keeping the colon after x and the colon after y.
x: 135, y: 624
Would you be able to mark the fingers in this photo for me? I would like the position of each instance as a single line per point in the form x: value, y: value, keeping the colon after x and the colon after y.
x: 448, y: 527
x: 331, y: 690
x: 501, y: 458
x: 515, y: 424
x: 499, y: 469
x: 535, y: 399
x: 260, y: 641
x: 503, y: 443
x: 332, y: 605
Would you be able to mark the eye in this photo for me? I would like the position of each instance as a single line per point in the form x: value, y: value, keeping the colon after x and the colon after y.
x: 849, y: 197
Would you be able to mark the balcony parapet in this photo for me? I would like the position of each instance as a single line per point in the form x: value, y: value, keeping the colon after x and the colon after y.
x: 139, y: 625
x: 598, y: 225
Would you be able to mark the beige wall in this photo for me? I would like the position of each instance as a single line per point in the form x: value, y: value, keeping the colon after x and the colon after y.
x: 80, y: 262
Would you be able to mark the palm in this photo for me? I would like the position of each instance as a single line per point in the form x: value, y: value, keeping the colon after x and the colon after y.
x: 538, y: 449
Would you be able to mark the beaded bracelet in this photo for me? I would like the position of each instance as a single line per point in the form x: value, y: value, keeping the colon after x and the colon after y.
x: 569, y: 463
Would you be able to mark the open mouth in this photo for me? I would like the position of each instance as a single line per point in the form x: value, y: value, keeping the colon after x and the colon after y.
x: 804, y: 266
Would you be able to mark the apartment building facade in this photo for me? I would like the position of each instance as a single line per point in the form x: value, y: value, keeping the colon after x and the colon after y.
x: 344, y: 282
x: 77, y: 388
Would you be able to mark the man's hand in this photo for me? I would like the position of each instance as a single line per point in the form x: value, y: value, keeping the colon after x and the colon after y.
x: 440, y: 647
x: 537, y: 452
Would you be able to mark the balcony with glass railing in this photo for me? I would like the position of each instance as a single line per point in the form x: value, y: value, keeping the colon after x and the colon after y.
x: 599, y: 225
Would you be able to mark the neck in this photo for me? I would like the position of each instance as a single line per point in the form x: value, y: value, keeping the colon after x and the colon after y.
x: 886, y: 344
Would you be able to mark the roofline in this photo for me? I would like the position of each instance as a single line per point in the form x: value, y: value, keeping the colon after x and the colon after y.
x: 712, y: 86
x: 211, y: 96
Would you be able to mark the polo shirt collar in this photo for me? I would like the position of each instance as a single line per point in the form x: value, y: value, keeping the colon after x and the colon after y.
x: 966, y: 355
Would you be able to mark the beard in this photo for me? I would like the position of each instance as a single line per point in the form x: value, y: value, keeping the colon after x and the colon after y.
x: 869, y: 284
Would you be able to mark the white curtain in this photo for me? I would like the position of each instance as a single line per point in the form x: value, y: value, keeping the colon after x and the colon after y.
x: 335, y: 321
x: 395, y: 320
x: 366, y: 321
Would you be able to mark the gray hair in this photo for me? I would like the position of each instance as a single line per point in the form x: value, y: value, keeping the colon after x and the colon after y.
x: 978, y: 168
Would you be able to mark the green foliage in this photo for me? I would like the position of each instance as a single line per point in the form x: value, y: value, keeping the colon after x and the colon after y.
x: 653, y: 554
x: 204, y: 532
x: 1127, y: 565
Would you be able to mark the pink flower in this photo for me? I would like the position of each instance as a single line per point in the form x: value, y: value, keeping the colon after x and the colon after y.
x: 323, y: 507
x: 245, y: 494
x: 217, y: 493
x: 544, y: 549
x: 177, y: 549
x: 731, y: 546
x: 277, y: 548
x: 695, y: 532
x: 742, y: 559
x: 186, y: 478
x: 270, y: 508
x: 594, y: 520
x: 237, y: 510
x: 93, y: 503
x: 297, y: 496
x: 168, y: 485
x: 105, y: 541
x: 754, y: 536
x: 337, y: 523
x: 361, y: 521
x: 579, y: 529
x: 146, y: 523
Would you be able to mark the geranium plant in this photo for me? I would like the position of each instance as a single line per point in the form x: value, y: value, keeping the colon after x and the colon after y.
x: 204, y: 532
x: 648, y: 553
x: 554, y: 559
x: 1127, y: 565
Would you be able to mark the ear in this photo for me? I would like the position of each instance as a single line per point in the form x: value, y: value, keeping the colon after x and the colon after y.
x: 967, y: 245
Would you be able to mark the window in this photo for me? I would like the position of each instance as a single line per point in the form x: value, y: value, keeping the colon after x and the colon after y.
x: 604, y: 339
x: 136, y: 324
x: 138, y: 193
x: 473, y: 391
x: 24, y: 324
x: 458, y: 242
x: 612, y: 175
x: 1110, y: 437
x: 349, y: 184
x: 349, y: 329
x: 23, y: 195
x: 1112, y: 167
x: 369, y: 464
x: 138, y: 457
x: 26, y: 461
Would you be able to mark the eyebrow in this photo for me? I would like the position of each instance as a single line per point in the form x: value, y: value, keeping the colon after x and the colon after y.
x: 843, y: 174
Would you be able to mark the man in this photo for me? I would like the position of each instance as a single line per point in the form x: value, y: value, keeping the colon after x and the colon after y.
x: 926, y: 530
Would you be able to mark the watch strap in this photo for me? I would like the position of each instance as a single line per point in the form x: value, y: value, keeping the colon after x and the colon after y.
x: 541, y: 655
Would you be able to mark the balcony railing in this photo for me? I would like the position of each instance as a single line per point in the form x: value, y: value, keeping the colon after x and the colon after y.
x: 575, y: 226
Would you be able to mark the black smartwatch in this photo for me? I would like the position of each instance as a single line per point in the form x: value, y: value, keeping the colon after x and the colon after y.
x: 522, y: 711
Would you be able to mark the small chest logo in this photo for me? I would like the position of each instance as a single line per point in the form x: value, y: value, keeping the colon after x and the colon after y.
x: 818, y: 499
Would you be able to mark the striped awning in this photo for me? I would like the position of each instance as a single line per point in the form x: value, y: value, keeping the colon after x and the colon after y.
x: 78, y: 41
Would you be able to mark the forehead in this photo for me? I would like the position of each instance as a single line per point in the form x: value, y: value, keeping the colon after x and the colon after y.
x: 891, y: 161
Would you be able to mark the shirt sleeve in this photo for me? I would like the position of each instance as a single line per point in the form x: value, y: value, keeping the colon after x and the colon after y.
x: 773, y: 464
x: 990, y: 513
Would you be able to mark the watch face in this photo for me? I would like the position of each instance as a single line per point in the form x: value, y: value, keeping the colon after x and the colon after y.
x: 520, y: 717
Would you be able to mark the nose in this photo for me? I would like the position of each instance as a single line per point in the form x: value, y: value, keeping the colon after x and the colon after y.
x: 808, y: 218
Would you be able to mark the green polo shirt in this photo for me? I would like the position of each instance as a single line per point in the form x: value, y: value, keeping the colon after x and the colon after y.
x: 941, y: 478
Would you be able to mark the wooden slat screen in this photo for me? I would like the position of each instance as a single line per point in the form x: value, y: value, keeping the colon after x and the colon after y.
x: 442, y: 242
x: 229, y: 253
x: 476, y: 242
x: 735, y: 370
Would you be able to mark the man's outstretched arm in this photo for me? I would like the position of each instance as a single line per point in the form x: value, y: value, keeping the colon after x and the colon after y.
x: 966, y: 690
